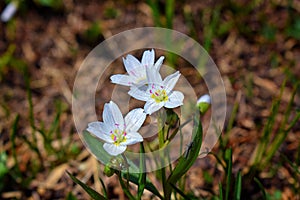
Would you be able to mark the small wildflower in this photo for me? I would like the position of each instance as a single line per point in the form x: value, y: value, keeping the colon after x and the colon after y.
x: 137, y: 70
x: 116, y: 131
x: 159, y: 92
x: 203, y: 103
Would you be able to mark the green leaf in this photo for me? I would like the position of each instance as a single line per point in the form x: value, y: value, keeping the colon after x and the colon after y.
x: 238, y: 186
x: 134, y: 178
x: 180, y: 192
x: 103, y: 188
x: 228, y: 158
x: 142, y: 176
x: 220, y: 191
x: 89, y: 190
x: 188, y: 158
x: 260, y: 185
x: 3, y: 166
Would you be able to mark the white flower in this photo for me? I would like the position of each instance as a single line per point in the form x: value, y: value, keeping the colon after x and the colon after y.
x: 9, y: 11
x: 159, y: 92
x: 116, y: 131
x: 137, y: 70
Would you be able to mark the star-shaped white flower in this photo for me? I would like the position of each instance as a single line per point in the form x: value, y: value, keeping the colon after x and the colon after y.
x: 116, y: 131
x: 137, y: 70
x: 159, y: 92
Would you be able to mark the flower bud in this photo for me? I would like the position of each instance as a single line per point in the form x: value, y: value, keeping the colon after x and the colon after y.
x: 108, y: 171
x: 9, y: 11
x: 203, y: 103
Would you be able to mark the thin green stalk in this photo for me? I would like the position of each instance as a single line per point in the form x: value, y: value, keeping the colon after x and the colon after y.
x: 127, y: 168
x: 13, y: 144
x: 220, y: 191
x: 186, y: 161
x: 260, y: 185
x: 261, y: 148
x: 228, y: 157
x: 170, y: 4
x: 124, y: 187
x: 155, y: 11
x: 180, y: 192
x: 282, y: 133
x: 278, y: 141
x: 238, y: 186
x: 142, y: 175
x: 103, y: 188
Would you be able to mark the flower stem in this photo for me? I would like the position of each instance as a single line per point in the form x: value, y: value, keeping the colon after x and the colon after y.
x: 124, y: 187
x: 127, y: 168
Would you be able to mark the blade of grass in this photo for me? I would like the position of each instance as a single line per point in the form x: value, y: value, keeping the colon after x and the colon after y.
x: 170, y: 4
x: 180, y: 192
x: 155, y: 11
x: 265, y: 139
x: 283, y: 132
x: 238, y: 186
x: 186, y: 160
x: 261, y: 187
x: 133, y: 178
x: 89, y: 190
x: 13, y: 144
x: 228, y: 158
x: 142, y: 175
x: 103, y: 188
x: 125, y: 187
x: 220, y: 191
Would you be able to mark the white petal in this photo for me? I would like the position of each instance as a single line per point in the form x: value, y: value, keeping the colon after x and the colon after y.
x: 148, y: 58
x: 171, y: 80
x: 107, y: 116
x: 175, y: 100
x: 159, y: 63
x: 100, y: 130
x: 117, y: 115
x: 133, y: 66
x: 113, y: 149
x: 153, y: 76
x: 133, y: 138
x: 151, y: 107
x: 204, y: 99
x: 112, y: 115
x: 135, y: 119
x: 138, y: 94
x: 122, y: 79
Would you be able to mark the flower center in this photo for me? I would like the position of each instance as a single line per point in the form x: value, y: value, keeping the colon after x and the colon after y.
x: 118, y: 136
x: 159, y: 95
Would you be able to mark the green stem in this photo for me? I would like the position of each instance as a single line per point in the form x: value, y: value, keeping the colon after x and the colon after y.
x: 124, y: 187
x: 127, y: 168
x: 142, y: 175
x: 278, y: 141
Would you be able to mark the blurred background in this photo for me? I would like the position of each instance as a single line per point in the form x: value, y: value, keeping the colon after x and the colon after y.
x: 254, y: 43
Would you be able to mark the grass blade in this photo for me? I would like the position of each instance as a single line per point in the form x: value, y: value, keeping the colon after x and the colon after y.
x: 260, y: 185
x: 220, y: 191
x: 134, y: 178
x: 238, y: 186
x: 142, y: 175
x: 104, y: 188
x: 228, y: 157
x: 89, y: 190
x: 180, y: 192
